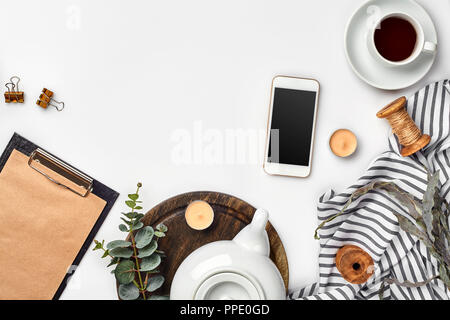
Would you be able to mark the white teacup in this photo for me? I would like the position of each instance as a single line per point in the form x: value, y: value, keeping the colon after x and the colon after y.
x: 422, y: 46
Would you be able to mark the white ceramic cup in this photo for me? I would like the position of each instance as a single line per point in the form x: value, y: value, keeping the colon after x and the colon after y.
x: 422, y: 46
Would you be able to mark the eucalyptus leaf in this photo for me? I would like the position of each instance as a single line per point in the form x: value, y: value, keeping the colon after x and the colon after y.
x: 138, y: 225
x: 155, y: 283
x: 118, y: 244
x: 428, y: 203
x: 105, y: 254
x: 98, y: 245
x: 144, y: 237
x: 160, y: 234
x: 130, y: 203
x: 139, y: 216
x: 114, y: 261
x: 355, y: 195
x: 130, y: 215
x: 148, y: 250
x: 128, y: 291
x: 444, y: 224
x: 381, y: 290
x: 408, y: 201
x: 126, y: 221
x: 125, y: 272
x: 444, y: 275
x: 436, y: 223
x: 150, y: 263
x: 409, y: 227
x: 162, y: 227
x: 121, y: 252
x: 123, y: 228
x: 133, y: 196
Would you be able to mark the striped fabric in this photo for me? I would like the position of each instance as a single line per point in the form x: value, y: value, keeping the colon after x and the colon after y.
x: 369, y: 222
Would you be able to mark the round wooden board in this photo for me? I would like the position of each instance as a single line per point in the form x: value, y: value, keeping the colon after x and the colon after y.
x: 231, y: 215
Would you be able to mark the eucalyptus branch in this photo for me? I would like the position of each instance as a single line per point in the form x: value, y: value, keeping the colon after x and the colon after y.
x: 430, y: 216
x: 137, y: 254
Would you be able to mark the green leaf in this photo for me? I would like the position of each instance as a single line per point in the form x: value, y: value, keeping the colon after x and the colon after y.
x: 436, y: 231
x: 428, y: 203
x: 148, y: 250
x: 125, y: 272
x: 114, y: 261
x: 155, y: 283
x: 381, y: 290
x: 144, y: 237
x: 355, y: 195
x: 150, y: 263
x: 133, y: 215
x: 413, y: 206
x: 98, y: 245
x: 121, y: 253
x: 130, y: 203
x: 138, y: 225
x: 118, y: 244
x: 160, y: 234
x: 133, y: 196
x: 138, y: 208
x: 128, y: 292
x: 162, y: 227
x: 123, y: 228
x: 126, y: 221
x: 444, y: 224
x: 157, y: 297
x: 411, y: 228
x: 444, y: 275
x: 105, y: 254
x: 129, y: 215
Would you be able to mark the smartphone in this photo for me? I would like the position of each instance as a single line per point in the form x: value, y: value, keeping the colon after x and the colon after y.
x: 291, y: 126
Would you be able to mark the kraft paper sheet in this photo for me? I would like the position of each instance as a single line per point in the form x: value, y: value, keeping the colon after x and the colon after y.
x: 42, y: 228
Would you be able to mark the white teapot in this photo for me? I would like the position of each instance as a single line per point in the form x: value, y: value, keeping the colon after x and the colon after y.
x: 238, y: 269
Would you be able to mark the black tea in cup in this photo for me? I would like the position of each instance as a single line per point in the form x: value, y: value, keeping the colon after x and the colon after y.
x: 395, y: 39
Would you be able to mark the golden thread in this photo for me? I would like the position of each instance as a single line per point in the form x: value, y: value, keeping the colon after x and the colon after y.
x: 404, y: 127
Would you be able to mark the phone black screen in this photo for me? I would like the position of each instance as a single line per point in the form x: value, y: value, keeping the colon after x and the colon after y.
x: 292, y: 126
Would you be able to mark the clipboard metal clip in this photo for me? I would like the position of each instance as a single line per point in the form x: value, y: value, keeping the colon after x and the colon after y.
x: 60, y: 172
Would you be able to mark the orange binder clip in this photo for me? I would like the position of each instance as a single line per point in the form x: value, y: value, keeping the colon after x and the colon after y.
x: 45, y: 100
x: 13, y: 94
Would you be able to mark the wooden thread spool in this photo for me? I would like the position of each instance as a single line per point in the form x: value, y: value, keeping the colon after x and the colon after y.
x: 354, y: 264
x: 404, y: 128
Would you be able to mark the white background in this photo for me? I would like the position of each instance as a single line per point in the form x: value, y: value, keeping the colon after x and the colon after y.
x: 133, y: 72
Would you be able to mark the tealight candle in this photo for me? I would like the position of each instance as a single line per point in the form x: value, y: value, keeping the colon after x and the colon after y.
x: 199, y: 215
x: 343, y: 143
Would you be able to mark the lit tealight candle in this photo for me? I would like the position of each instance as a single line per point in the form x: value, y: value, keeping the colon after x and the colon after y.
x: 199, y: 215
x: 343, y: 143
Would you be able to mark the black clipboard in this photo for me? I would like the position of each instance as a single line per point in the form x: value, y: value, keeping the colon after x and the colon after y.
x: 27, y: 147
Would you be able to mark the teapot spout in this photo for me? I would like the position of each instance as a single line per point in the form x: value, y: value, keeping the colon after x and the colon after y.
x: 254, y: 236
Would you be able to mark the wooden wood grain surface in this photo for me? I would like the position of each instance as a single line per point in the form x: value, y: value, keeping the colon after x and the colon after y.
x: 230, y: 216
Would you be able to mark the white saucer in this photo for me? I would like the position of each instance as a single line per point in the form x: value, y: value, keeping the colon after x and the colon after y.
x: 362, y: 62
